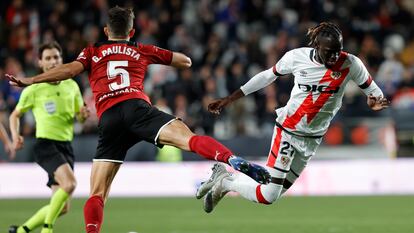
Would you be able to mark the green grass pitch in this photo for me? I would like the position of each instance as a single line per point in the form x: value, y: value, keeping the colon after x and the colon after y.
x: 380, y: 214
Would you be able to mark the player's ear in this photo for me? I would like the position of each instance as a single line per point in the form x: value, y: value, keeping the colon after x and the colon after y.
x: 40, y: 63
x: 131, y: 33
x: 106, y: 31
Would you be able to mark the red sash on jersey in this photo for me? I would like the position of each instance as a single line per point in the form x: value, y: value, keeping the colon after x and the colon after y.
x: 335, y: 76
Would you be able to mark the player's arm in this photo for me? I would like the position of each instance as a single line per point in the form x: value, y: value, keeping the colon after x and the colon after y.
x: 14, y: 121
x: 259, y: 81
x: 8, y: 147
x: 65, y: 71
x: 81, y: 109
x: 375, y: 98
x: 256, y: 83
x: 180, y: 60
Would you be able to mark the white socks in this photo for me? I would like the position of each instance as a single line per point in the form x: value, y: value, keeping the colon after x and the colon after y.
x: 253, y: 191
x: 241, y: 184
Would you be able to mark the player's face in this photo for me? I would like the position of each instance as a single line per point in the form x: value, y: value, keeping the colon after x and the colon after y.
x: 50, y: 59
x: 328, y: 50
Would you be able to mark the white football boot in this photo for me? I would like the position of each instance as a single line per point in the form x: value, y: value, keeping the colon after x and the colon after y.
x: 219, y: 171
x: 216, y: 193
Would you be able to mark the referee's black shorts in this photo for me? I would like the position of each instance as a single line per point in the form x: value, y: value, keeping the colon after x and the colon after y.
x: 51, y: 154
x: 125, y: 124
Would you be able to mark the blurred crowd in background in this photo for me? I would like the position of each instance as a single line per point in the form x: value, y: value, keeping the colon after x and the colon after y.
x: 228, y: 41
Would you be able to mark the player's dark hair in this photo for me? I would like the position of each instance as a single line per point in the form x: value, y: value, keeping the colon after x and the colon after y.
x: 49, y: 45
x: 326, y: 29
x: 120, y: 21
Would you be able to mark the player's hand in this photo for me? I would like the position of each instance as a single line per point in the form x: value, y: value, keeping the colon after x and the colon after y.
x: 217, y: 106
x: 8, y: 147
x: 84, y: 113
x: 18, y: 142
x: 19, y: 82
x: 377, y: 103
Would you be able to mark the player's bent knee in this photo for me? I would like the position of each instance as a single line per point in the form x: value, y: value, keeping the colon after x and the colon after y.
x: 268, y: 194
x: 271, y: 199
x: 69, y: 186
x: 274, y: 198
x: 176, y: 134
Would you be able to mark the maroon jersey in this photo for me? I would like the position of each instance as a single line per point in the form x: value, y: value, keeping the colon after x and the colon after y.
x: 117, y: 70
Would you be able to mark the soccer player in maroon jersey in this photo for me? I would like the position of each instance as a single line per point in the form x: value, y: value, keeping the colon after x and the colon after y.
x: 321, y: 73
x: 116, y: 72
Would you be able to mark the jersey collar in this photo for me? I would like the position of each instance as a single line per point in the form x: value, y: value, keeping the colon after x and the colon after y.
x: 312, y: 57
x: 130, y: 43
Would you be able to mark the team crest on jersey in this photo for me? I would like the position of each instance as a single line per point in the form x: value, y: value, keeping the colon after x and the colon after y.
x: 285, y: 160
x: 336, y: 74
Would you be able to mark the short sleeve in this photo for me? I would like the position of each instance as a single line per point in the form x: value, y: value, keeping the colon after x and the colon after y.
x: 359, y: 73
x: 156, y: 55
x: 85, y: 58
x: 284, y: 65
x: 26, y: 99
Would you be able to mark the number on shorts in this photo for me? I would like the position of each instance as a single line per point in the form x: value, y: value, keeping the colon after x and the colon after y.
x: 285, y: 149
x: 113, y: 70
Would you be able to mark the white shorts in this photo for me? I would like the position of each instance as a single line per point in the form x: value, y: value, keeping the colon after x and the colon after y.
x: 289, y: 153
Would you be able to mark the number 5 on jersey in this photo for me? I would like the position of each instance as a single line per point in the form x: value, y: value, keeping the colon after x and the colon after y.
x: 114, y: 69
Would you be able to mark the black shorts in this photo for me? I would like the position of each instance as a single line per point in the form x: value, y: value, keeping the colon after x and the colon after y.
x: 125, y: 124
x: 51, y: 154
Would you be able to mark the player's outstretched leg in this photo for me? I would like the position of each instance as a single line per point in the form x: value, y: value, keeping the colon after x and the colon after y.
x: 211, y: 149
x: 179, y: 135
x: 219, y: 171
x: 245, y: 186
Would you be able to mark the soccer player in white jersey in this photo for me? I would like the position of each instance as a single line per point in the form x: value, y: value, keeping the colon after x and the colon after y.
x: 321, y: 73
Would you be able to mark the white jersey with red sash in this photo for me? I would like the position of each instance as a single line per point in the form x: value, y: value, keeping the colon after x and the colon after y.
x: 317, y: 94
